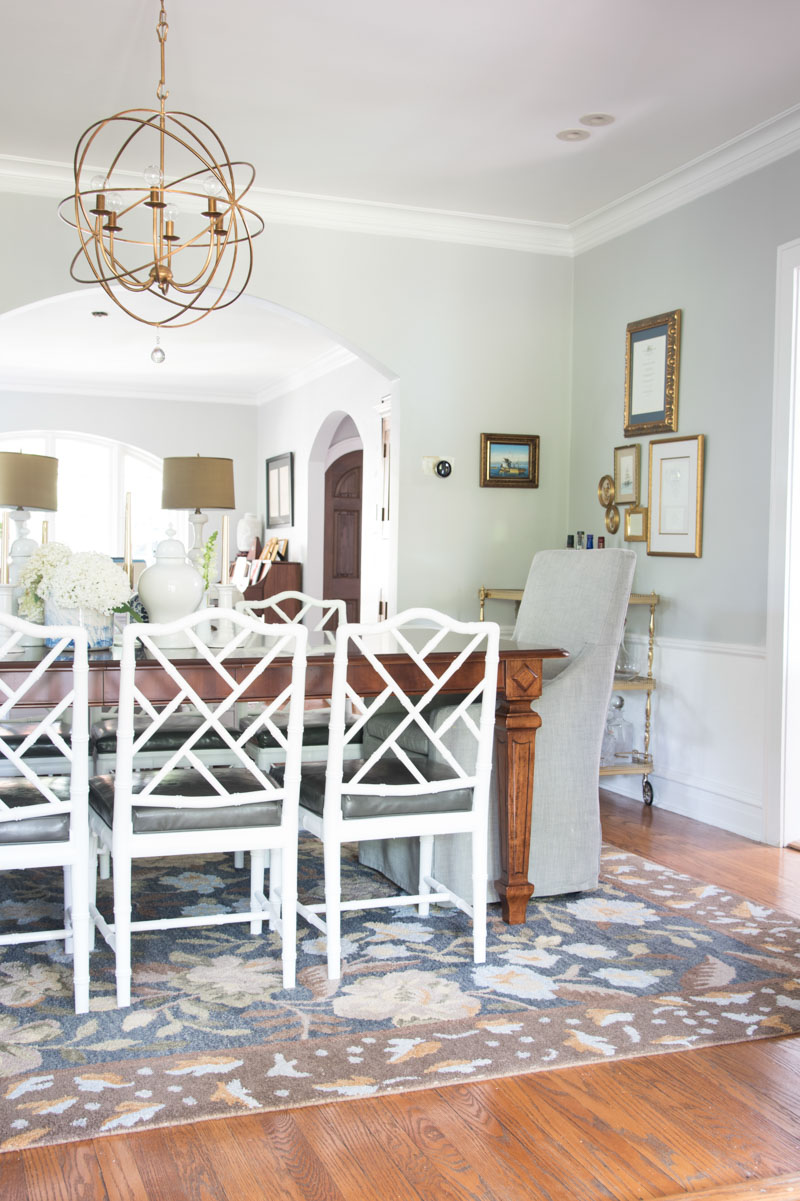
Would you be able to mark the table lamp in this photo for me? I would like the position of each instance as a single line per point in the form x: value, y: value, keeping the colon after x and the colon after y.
x: 197, y: 483
x: 26, y: 482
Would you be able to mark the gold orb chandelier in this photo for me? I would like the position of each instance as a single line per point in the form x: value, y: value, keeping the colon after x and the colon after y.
x: 185, y: 237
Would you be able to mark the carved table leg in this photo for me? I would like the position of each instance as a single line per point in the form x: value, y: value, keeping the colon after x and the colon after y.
x: 514, y: 737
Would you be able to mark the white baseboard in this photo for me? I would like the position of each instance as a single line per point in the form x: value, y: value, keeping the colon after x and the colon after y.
x: 707, y: 736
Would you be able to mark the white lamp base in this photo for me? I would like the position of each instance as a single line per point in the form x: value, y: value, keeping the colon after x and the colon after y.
x: 198, y: 520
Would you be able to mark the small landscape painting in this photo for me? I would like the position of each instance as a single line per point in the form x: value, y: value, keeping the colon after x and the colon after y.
x: 509, y: 461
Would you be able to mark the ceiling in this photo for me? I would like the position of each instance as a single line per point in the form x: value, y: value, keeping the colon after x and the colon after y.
x: 450, y: 107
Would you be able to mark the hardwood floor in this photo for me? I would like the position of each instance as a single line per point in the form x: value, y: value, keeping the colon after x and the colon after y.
x: 720, y: 1123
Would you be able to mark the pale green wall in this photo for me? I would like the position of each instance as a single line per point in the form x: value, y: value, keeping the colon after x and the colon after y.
x: 715, y: 259
x: 477, y: 340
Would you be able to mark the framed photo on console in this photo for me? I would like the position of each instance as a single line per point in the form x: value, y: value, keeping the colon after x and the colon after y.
x: 675, y: 487
x: 652, y: 363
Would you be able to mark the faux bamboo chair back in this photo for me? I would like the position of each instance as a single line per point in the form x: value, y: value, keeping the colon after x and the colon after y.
x: 43, y: 816
x: 188, y: 807
x: 321, y: 617
x: 398, y: 793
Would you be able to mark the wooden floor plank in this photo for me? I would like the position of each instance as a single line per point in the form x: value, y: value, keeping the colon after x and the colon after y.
x: 63, y: 1173
x: 12, y: 1177
x: 300, y: 1172
x: 116, y: 1158
x: 356, y: 1159
x: 778, y: 1188
x: 715, y: 1124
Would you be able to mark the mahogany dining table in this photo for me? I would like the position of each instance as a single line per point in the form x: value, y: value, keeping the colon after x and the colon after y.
x: 519, y: 683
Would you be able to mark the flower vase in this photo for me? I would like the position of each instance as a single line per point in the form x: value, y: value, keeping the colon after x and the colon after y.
x: 99, y: 626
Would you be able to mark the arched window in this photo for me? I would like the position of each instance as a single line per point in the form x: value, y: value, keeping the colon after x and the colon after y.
x: 94, y: 475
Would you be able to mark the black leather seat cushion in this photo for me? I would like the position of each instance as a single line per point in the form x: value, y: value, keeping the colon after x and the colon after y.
x: 169, y: 737
x: 14, y: 733
x: 383, y: 722
x: 316, y: 723
x: 17, y: 793
x: 389, y: 771
x: 149, y: 819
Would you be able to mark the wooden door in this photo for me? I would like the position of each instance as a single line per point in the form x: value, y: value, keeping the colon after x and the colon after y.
x: 342, y: 558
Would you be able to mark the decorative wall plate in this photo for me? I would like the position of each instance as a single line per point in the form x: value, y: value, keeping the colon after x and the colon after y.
x: 605, y: 491
x: 612, y: 519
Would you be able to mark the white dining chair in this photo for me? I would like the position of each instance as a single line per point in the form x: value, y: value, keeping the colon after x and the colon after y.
x: 391, y: 792
x: 43, y: 816
x: 321, y: 618
x: 186, y: 807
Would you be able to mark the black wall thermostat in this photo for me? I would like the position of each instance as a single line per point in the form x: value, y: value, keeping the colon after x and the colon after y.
x: 443, y: 468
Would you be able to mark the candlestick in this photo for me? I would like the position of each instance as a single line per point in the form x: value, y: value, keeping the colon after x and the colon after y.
x: 44, y: 533
x: 127, y: 553
x: 4, y: 551
x: 225, y: 553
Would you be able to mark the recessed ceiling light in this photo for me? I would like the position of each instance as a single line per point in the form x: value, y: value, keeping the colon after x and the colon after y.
x: 572, y: 135
x: 597, y: 119
x: 99, y: 313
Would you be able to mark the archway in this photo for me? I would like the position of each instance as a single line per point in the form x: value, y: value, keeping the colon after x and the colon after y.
x: 259, y: 380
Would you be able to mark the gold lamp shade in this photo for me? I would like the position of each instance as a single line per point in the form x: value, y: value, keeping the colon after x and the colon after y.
x: 28, y: 481
x: 197, y: 483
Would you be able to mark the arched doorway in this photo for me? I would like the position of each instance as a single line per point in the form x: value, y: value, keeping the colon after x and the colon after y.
x: 341, y: 561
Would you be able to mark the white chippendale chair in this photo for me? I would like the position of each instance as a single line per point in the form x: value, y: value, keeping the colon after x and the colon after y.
x: 394, y: 793
x: 43, y: 817
x: 185, y: 806
x: 321, y: 618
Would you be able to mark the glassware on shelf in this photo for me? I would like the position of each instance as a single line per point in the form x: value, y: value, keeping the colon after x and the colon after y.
x: 618, y: 736
x: 626, y: 667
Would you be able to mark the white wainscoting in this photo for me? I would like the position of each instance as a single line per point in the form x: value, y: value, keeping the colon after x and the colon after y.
x: 707, y: 732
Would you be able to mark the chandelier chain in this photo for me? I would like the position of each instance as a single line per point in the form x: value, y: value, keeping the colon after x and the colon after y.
x: 162, y: 29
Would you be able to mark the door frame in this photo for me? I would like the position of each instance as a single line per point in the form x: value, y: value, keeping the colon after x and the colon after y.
x: 782, y: 686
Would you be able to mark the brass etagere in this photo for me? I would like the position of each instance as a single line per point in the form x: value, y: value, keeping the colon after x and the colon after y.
x: 638, y: 763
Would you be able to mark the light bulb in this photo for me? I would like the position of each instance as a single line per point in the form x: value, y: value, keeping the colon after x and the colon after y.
x: 172, y: 212
x: 152, y: 176
x: 97, y: 183
x: 212, y: 186
x: 114, y: 202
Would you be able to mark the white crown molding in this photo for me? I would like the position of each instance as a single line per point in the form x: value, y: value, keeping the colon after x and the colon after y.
x: 38, y: 177
x: 741, y: 156
x: 401, y: 221
x: 765, y: 144
x: 332, y: 361
x: 113, y: 389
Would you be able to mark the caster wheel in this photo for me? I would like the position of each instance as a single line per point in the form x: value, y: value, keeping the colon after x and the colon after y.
x: 647, y: 792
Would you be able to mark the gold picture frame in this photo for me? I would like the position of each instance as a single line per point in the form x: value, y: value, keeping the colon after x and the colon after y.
x: 636, y: 524
x: 605, y: 491
x: 612, y: 519
x: 675, y: 497
x: 509, y: 461
x: 627, y: 473
x: 652, y: 366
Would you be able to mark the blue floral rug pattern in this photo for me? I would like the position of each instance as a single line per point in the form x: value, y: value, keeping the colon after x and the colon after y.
x: 652, y: 961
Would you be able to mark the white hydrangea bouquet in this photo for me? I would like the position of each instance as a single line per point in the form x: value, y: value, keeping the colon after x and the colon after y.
x: 84, y: 580
x: 36, y: 576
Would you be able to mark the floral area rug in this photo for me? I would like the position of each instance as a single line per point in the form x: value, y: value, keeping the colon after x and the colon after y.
x: 652, y: 961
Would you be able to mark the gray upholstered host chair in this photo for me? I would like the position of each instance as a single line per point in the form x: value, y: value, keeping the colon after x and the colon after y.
x: 576, y: 600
